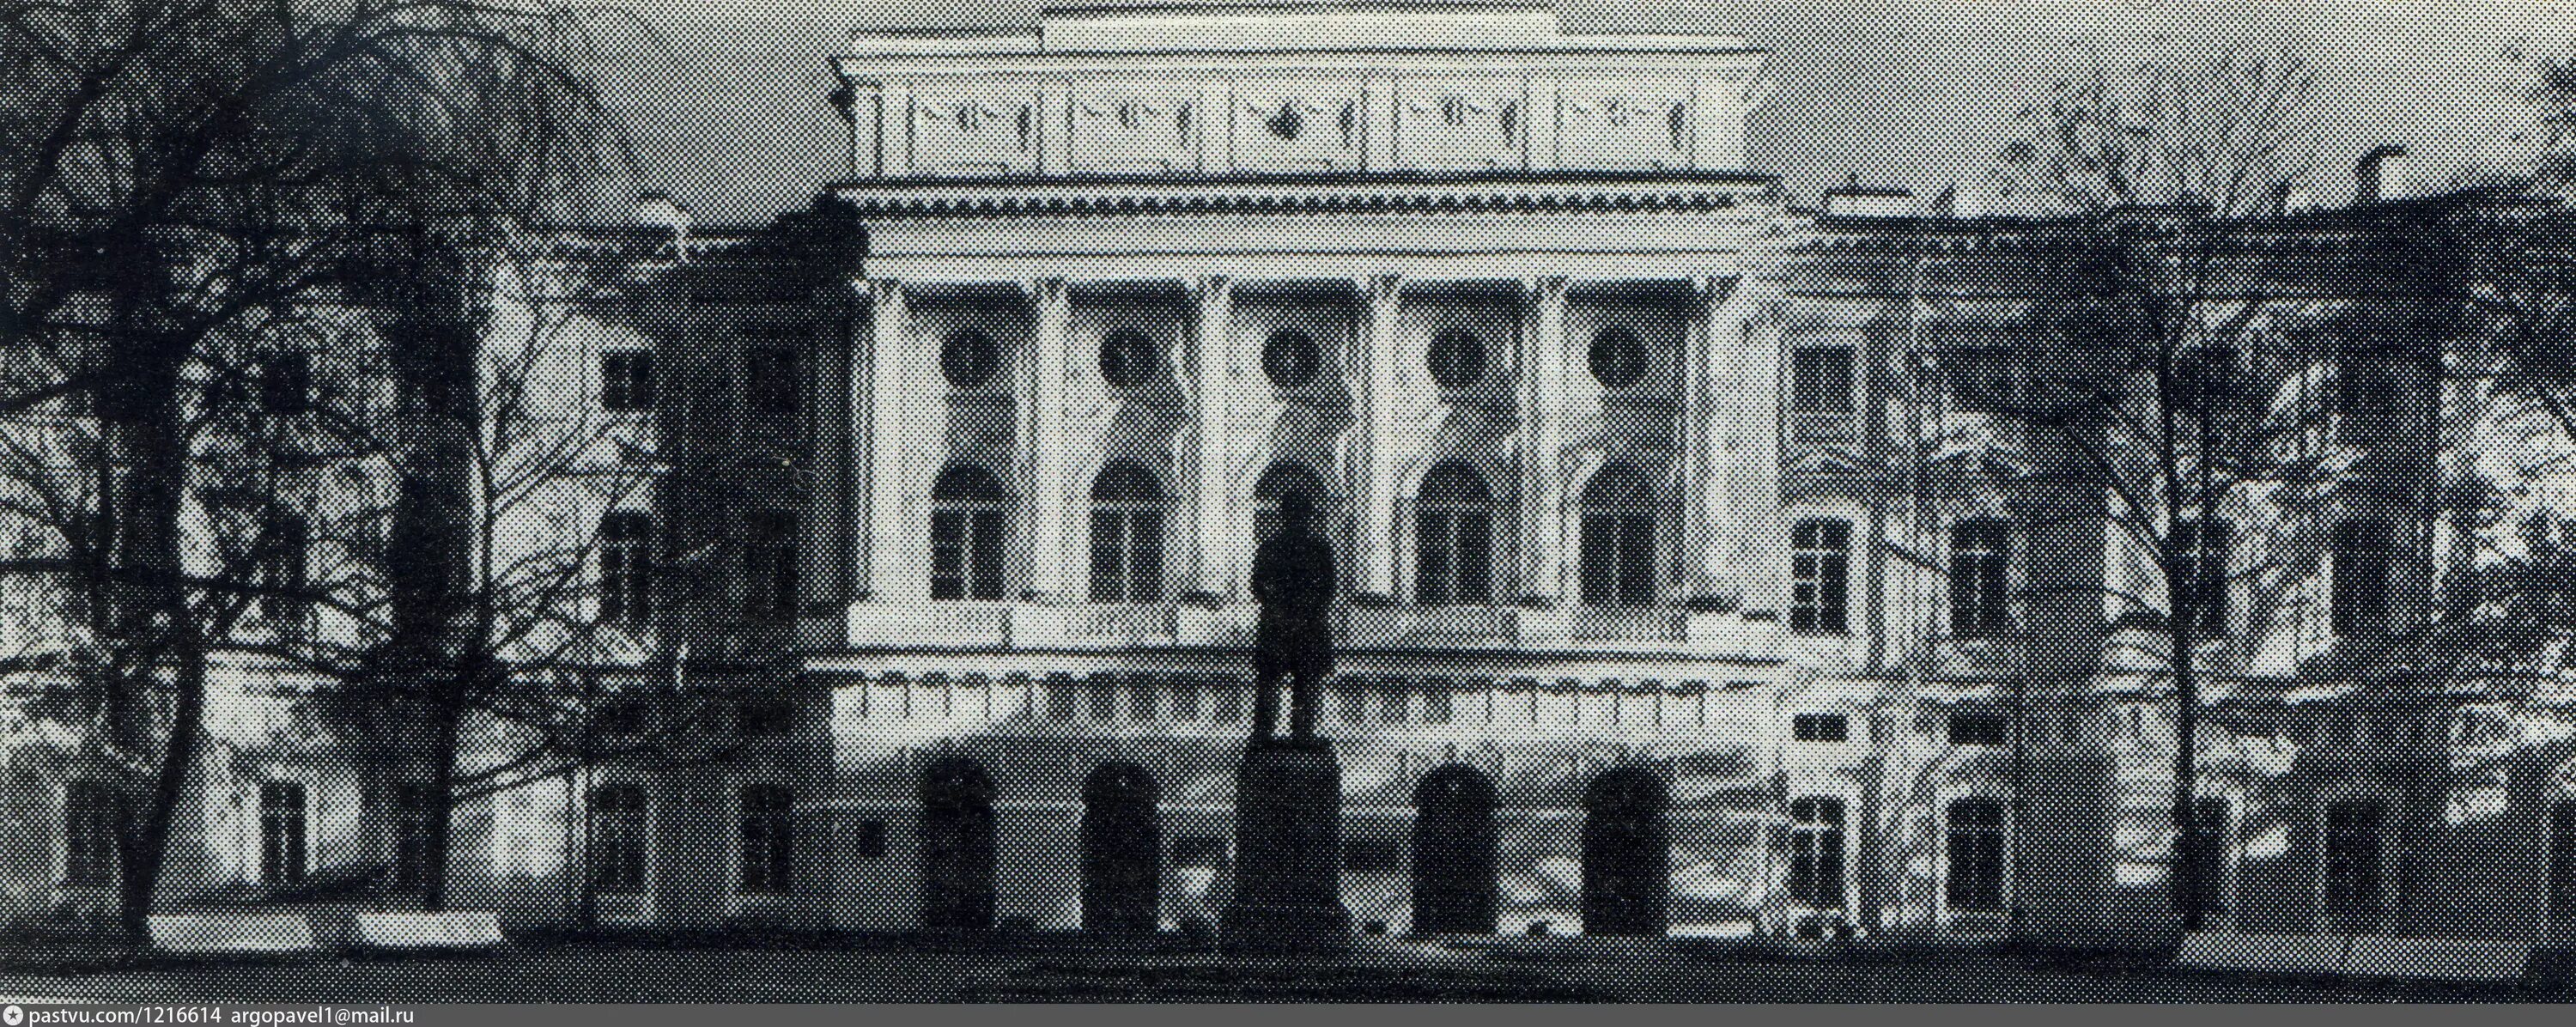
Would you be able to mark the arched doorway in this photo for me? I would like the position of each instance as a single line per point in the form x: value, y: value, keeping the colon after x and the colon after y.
x: 1627, y: 868
x: 956, y: 846
x: 1453, y: 852
x: 1122, y: 850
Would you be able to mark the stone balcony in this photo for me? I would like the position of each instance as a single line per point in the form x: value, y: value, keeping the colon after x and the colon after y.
x: 1001, y: 626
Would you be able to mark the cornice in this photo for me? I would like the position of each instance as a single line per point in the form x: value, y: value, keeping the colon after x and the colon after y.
x: 1391, y: 193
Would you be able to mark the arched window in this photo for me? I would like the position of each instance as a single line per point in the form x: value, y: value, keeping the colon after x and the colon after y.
x: 1453, y: 538
x: 1816, y: 852
x: 1126, y: 535
x: 1277, y: 482
x: 967, y: 534
x: 1618, y: 544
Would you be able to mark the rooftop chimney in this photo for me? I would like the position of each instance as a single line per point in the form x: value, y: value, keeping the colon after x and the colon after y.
x: 1853, y: 200
x: 2380, y: 176
x: 656, y: 209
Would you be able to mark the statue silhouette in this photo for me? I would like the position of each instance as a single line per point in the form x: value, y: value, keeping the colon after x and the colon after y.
x: 1292, y: 578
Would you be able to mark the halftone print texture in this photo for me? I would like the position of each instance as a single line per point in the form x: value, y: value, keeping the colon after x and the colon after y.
x: 1362, y: 501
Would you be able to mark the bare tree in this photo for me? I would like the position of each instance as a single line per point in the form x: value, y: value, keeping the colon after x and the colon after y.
x: 185, y: 178
x: 2165, y: 374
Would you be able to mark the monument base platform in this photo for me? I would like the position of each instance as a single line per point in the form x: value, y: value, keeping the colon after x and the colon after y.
x: 1288, y: 875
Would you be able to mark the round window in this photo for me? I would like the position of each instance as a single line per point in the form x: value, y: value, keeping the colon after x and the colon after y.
x: 968, y: 359
x: 1618, y: 359
x: 1290, y: 358
x: 1128, y: 359
x: 1457, y: 359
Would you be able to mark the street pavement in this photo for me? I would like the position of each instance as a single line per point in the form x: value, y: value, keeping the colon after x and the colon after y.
x: 1389, y: 971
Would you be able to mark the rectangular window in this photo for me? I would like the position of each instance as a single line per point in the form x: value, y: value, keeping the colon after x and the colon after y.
x: 1981, y: 379
x: 2199, y: 578
x: 1229, y: 700
x: 1142, y: 699
x: 281, y: 834
x: 2352, y: 869
x: 626, y: 379
x: 1976, y: 856
x: 93, y: 834
x: 763, y: 718
x: 1977, y: 729
x: 284, y: 570
x: 1822, y: 390
x: 618, y: 719
x: 770, y: 380
x: 2209, y: 849
x: 1353, y: 702
x: 2562, y: 860
x: 413, y: 810
x: 2207, y: 378
x: 1185, y: 699
x: 768, y: 839
x: 286, y: 384
x: 1821, y: 727
x: 769, y: 567
x: 1437, y: 701
x: 1064, y: 703
x: 2360, y: 601
x: 1980, y: 560
x: 617, y: 839
x: 1104, y: 698
x: 1820, y: 575
x: 1394, y: 702
x: 626, y: 569
x: 868, y: 840
x: 1816, y: 852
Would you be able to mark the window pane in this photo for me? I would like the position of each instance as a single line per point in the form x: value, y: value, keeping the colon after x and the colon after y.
x: 947, y: 555
x: 1821, y: 380
x: 1108, y: 556
x: 987, y: 556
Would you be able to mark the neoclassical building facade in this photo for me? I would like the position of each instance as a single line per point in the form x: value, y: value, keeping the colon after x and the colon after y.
x: 1675, y: 599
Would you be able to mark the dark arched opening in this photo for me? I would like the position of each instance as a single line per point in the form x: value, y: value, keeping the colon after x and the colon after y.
x: 1627, y: 868
x: 1122, y: 850
x: 956, y: 846
x: 1453, y: 852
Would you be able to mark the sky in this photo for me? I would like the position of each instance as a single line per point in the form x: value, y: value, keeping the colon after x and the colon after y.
x: 726, y: 99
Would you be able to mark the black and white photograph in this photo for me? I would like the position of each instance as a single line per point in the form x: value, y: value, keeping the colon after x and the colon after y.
x: 538, y: 503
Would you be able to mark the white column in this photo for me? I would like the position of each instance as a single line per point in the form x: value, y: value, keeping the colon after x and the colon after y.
x: 1041, y: 457
x: 1750, y: 541
x: 1374, y: 492
x: 1212, y: 432
x: 829, y: 557
x: 1542, y: 442
x: 889, y: 441
x: 1703, y: 496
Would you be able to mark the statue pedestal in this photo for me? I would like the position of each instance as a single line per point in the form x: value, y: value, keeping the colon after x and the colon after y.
x: 1287, y: 832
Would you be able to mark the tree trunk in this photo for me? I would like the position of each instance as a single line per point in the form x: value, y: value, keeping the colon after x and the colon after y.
x: 2189, y: 861
x: 151, y: 630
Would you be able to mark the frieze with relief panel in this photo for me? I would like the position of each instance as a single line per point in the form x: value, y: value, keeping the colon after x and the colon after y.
x: 972, y: 133
x: 1462, y: 125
